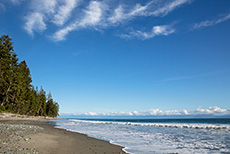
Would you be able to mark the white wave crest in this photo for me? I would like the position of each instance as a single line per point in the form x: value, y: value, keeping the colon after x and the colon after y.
x: 169, y: 125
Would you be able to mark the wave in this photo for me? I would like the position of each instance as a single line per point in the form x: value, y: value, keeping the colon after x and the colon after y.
x: 149, y: 137
x: 165, y: 125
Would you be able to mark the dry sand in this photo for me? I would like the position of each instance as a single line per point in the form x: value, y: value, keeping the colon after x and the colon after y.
x: 46, y: 139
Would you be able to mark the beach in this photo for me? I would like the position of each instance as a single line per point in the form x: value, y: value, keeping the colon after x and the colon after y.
x: 22, y: 134
x: 37, y: 135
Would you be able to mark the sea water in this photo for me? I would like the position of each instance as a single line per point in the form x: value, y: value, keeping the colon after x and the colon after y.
x: 141, y: 136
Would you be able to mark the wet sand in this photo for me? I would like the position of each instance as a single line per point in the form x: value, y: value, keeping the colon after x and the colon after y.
x: 37, y: 136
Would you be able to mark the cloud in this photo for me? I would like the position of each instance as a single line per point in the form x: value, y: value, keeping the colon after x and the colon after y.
x: 80, y: 53
x: 119, y: 14
x: 168, y: 7
x: 156, y: 31
x: 16, y: 2
x: 208, y: 23
x: 97, y: 15
x: 93, y: 14
x: 153, y: 8
x: 2, y: 7
x: 92, y: 17
x: 64, y: 12
x: 43, y: 11
x: 12, y: 2
x: 35, y: 20
x: 61, y: 34
x: 214, y: 111
x: 211, y: 110
x: 193, y: 76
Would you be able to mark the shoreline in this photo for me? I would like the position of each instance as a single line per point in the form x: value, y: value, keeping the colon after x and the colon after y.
x: 123, y: 151
x: 36, y: 135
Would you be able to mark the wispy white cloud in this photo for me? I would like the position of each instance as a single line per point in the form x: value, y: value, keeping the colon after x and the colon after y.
x: 64, y: 11
x: 93, y: 14
x: 92, y: 17
x: 139, y: 10
x: 156, y: 31
x: 3, y: 3
x: 120, y: 15
x: 193, y: 76
x: 16, y: 2
x: 43, y: 11
x: 152, y: 8
x: 2, y: 7
x: 35, y: 20
x: 80, y: 53
x: 214, y: 110
x: 168, y: 7
x: 61, y: 34
x: 208, y: 23
x: 96, y: 15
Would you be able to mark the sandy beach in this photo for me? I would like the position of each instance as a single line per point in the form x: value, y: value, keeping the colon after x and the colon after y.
x: 36, y: 135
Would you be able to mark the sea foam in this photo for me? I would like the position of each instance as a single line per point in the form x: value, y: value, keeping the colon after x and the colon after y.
x: 148, y: 137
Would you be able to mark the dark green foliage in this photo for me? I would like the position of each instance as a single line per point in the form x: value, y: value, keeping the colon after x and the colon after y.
x: 51, y: 107
x: 17, y: 95
x: 2, y: 108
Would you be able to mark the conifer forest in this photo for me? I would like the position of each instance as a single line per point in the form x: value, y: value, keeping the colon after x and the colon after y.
x: 17, y: 94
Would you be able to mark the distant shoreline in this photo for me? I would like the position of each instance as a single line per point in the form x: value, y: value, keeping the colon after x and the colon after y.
x: 35, y: 135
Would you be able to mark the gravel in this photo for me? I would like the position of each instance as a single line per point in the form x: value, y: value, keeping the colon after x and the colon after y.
x: 12, y: 134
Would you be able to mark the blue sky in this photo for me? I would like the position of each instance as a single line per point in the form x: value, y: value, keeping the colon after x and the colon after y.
x: 125, y: 57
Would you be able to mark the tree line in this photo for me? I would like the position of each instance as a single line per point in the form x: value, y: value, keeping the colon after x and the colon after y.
x: 17, y: 94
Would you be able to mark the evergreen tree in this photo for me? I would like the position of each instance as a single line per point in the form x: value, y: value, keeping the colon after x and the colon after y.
x: 42, y: 102
x: 16, y: 92
x: 52, y: 107
x: 6, y: 49
x: 25, y: 88
x: 34, y: 102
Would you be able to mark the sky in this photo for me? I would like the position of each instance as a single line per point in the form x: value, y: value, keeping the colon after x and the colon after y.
x: 125, y: 57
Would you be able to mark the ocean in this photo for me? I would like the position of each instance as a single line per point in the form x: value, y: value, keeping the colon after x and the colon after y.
x: 160, y: 136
